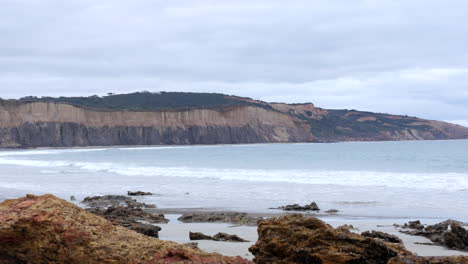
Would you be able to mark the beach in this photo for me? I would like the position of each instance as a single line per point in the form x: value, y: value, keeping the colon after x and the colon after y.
x: 372, y: 185
x: 178, y: 232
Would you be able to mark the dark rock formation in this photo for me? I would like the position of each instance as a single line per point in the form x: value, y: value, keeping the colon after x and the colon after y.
x: 295, y: 239
x: 413, y: 225
x: 219, y: 217
x: 175, y: 255
x: 228, y: 238
x: 449, y: 233
x: 113, y: 201
x: 346, y: 227
x: 138, y: 193
x: 199, y: 236
x: 145, y: 229
x: 381, y: 235
x: 124, y: 211
x: 295, y: 207
x: 411, y: 259
x: 218, y: 237
x: 45, y: 229
x: 332, y: 211
x: 131, y: 217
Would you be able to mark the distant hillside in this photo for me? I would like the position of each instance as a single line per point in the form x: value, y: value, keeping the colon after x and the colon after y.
x: 150, y: 101
x: 197, y: 118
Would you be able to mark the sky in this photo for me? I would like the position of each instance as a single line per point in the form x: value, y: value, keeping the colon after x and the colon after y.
x: 392, y: 56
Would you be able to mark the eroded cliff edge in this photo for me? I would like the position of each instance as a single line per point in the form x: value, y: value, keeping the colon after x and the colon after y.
x: 42, y: 123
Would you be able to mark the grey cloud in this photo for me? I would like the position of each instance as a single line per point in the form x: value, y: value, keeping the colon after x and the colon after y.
x: 399, y: 56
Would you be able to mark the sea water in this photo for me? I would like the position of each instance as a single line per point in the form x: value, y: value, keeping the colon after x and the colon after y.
x: 407, y: 179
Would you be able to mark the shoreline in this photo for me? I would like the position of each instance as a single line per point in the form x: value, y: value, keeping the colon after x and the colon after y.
x: 178, y: 231
x: 233, y: 144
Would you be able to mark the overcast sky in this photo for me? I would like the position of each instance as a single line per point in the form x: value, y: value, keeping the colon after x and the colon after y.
x: 395, y: 56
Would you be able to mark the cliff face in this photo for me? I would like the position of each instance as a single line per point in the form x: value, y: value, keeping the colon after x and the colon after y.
x: 54, y: 124
x: 36, y: 124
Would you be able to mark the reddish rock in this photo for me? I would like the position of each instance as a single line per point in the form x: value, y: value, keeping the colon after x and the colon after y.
x: 429, y: 260
x: 46, y: 229
x: 297, y: 239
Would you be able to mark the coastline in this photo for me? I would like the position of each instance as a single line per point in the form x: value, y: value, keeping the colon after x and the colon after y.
x: 221, y: 144
x: 178, y: 232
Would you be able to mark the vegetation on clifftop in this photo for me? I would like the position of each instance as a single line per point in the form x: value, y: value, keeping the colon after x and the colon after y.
x: 150, y: 101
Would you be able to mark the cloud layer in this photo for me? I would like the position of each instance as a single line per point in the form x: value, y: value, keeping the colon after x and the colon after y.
x: 398, y: 56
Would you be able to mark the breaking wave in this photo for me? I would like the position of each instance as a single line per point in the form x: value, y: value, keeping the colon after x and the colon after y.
x: 446, y: 181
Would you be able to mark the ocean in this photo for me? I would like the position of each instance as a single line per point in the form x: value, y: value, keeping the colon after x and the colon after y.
x: 392, y: 180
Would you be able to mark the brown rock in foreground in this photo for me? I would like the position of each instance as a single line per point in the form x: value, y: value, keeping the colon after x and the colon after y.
x: 46, y: 229
x: 296, y: 239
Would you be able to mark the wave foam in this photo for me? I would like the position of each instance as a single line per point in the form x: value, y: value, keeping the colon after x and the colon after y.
x: 446, y: 181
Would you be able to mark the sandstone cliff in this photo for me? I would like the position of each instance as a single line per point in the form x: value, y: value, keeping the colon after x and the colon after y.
x: 36, y: 124
x: 65, y: 122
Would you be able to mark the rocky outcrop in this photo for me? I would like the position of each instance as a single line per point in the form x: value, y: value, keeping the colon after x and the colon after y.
x: 45, y: 123
x: 449, y: 233
x: 219, y: 217
x: 138, y: 193
x: 127, y: 212
x: 218, y: 237
x: 45, y: 229
x: 297, y: 239
x: 131, y: 218
x: 296, y: 207
x: 411, y: 259
x: 106, y: 201
x: 381, y: 235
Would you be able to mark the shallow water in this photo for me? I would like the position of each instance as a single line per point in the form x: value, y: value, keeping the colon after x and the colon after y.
x: 418, y: 179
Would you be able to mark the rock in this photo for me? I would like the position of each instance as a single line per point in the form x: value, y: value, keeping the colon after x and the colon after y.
x: 411, y: 259
x: 228, y: 238
x: 381, y: 235
x: 130, y: 217
x: 113, y: 201
x: 296, y: 239
x: 413, y: 225
x: 218, y: 237
x: 46, y: 229
x: 219, y: 217
x: 192, y: 245
x: 146, y: 229
x: 185, y: 257
x: 295, y: 207
x: 121, y: 215
x: 199, y: 236
x: 138, y: 193
x: 449, y: 233
x: 347, y: 227
x: 72, y: 198
x: 332, y: 211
